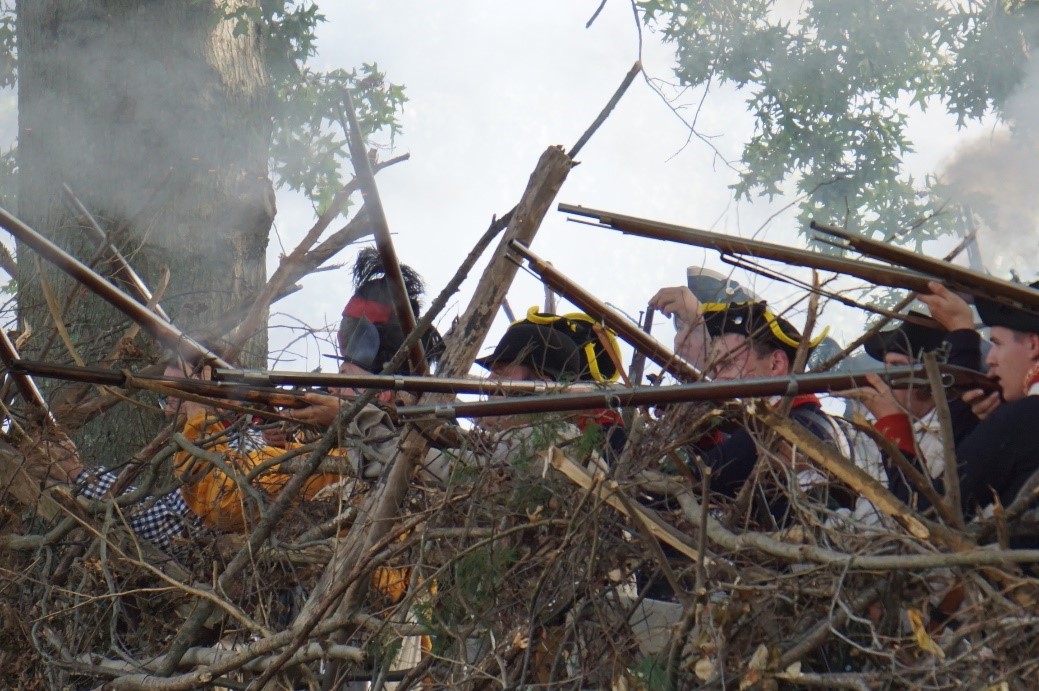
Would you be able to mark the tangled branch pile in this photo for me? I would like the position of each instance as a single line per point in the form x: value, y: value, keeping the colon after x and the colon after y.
x: 515, y: 575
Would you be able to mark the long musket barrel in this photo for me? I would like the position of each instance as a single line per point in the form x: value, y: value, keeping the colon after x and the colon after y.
x: 639, y: 339
x: 167, y: 334
x: 898, y: 377
x: 726, y: 244
x: 385, y: 382
x: 123, y: 268
x: 959, y: 277
x: 198, y: 387
x: 381, y: 228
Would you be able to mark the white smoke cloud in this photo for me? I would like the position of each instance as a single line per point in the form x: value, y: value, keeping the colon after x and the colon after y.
x: 996, y: 176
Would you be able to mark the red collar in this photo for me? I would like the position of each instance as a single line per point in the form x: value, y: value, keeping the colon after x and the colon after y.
x: 375, y: 312
x: 601, y: 417
x: 1031, y: 378
x: 803, y: 399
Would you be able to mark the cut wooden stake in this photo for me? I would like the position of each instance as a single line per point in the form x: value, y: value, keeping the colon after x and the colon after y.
x: 609, y: 491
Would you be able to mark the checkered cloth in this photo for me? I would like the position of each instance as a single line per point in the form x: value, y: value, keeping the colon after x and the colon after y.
x: 160, y: 519
x: 155, y: 519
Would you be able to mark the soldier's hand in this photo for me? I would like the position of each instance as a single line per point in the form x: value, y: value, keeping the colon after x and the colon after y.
x: 947, y: 308
x: 982, y: 405
x: 276, y: 436
x: 321, y: 410
x: 678, y: 302
x: 876, y: 395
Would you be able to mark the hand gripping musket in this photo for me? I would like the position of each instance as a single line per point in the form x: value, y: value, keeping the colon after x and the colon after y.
x: 956, y: 277
x: 391, y: 382
x: 381, y: 230
x: 163, y: 331
x: 639, y: 339
x: 898, y: 377
x: 727, y: 245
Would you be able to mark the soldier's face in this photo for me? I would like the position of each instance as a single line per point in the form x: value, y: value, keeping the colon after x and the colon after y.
x: 916, y: 400
x: 732, y: 358
x: 514, y: 370
x: 1013, y: 353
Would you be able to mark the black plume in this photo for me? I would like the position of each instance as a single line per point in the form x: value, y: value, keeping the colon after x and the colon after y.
x: 368, y: 269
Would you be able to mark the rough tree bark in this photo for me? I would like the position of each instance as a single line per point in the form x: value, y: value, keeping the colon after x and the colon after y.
x: 156, y: 114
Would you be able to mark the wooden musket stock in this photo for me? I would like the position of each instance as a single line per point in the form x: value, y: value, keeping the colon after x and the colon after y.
x: 726, y: 244
x: 955, y: 277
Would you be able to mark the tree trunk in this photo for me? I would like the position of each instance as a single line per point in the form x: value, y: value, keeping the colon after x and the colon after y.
x: 157, y: 115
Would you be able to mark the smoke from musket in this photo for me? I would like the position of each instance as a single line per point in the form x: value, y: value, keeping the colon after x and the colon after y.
x: 995, y: 175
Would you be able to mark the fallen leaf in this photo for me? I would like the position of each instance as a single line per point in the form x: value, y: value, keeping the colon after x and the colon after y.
x: 704, y: 669
x: 923, y: 639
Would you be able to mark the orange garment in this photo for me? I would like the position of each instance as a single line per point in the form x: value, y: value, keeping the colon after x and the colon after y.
x: 217, y: 498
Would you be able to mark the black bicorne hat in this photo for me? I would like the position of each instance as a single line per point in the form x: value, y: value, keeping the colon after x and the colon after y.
x: 908, y: 338
x: 755, y: 320
x: 997, y: 314
x: 547, y: 350
x: 600, y: 352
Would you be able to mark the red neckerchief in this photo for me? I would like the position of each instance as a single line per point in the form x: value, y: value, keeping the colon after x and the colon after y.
x: 601, y: 416
x: 375, y: 312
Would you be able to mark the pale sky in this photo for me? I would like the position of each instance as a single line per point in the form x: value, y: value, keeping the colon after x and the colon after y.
x: 491, y: 85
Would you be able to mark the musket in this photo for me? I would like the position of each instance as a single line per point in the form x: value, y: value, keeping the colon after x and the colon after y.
x: 26, y: 386
x: 122, y: 267
x: 121, y: 379
x: 955, y: 277
x: 163, y: 331
x: 638, y: 359
x: 727, y: 245
x: 640, y: 340
x: 392, y: 382
x: 381, y: 231
x: 897, y: 377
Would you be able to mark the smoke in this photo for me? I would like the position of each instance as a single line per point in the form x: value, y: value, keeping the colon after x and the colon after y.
x: 995, y: 176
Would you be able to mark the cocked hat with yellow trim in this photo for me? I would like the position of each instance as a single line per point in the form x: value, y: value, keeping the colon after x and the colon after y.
x: 600, y: 352
x: 570, y: 347
x: 756, y: 321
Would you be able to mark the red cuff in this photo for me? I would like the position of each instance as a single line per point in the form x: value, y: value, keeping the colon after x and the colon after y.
x: 710, y: 440
x: 898, y: 430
